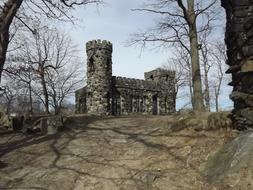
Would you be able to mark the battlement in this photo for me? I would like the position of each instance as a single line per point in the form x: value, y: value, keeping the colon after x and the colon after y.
x: 132, y: 83
x: 159, y: 73
x: 99, y: 44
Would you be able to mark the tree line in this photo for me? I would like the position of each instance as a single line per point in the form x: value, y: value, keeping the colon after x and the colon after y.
x: 192, y: 30
x: 35, y: 58
x: 44, y: 67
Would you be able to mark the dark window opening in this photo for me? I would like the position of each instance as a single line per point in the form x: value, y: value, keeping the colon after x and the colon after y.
x: 108, y: 97
x: 116, y: 107
x: 131, y: 104
x: 91, y: 65
x: 155, y: 105
x: 108, y: 65
x: 137, y: 104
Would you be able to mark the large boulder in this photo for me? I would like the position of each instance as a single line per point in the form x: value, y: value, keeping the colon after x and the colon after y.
x: 232, y: 166
x: 200, y: 121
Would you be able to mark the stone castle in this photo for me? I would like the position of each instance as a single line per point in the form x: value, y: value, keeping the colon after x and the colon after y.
x: 105, y: 94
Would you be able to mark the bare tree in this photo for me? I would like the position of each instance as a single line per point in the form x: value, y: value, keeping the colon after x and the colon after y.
x: 180, y: 62
x: 8, y: 95
x: 206, y: 64
x: 50, y: 9
x: 48, y: 65
x: 22, y: 73
x: 63, y: 83
x: 49, y: 52
x: 219, y: 59
x: 180, y: 24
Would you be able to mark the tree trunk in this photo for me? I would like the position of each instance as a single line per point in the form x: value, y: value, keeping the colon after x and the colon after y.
x: 217, y: 102
x: 217, y: 92
x: 30, y: 98
x: 189, y: 78
x: 190, y: 89
x: 6, y: 17
x: 56, y: 106
x: 207, y: 94
x: 45, y: 93
x: 198, y: 102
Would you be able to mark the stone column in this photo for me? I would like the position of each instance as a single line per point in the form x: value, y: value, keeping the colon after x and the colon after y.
x: 239, y: 40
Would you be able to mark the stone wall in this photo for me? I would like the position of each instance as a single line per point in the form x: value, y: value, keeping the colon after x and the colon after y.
x: 146, y: 96
x: 239, y: 40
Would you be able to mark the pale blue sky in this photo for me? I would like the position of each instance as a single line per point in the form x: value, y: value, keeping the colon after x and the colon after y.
x: 115, y: 22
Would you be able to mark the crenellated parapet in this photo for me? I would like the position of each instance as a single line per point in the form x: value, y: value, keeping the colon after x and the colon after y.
x: 137, y: 84
x: 146, y: 85
x: 99, y: 44
x: 160, y: 75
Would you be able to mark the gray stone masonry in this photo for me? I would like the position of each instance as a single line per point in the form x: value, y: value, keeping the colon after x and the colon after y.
x: 239, y: 40
x: 111, y: 95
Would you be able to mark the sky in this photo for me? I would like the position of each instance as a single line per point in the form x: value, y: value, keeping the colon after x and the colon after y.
x: 115, y: 21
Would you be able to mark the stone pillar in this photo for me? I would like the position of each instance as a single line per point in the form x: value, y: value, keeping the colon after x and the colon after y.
x: 99, y: 77
x: 239, y: 40
x: 149, y: 103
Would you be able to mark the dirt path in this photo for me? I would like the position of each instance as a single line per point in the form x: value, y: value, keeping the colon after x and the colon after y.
x: 109, y: 154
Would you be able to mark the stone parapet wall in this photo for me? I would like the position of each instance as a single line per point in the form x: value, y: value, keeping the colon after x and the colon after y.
x: 130, y: 83
x: 160, y: 75
x: 239, y: 40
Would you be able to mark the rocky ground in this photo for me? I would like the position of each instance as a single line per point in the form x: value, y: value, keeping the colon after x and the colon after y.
x: 130, y: 153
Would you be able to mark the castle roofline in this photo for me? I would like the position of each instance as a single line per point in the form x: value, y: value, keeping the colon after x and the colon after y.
x: 160, y: 71
x: 138, y: 84
x: 94, y: 44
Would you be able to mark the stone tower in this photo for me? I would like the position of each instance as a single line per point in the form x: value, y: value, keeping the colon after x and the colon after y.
x: 99, y: 77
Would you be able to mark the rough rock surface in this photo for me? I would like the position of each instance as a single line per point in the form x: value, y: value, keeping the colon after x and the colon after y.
x: 232, y: 166
x: 137, y: 153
